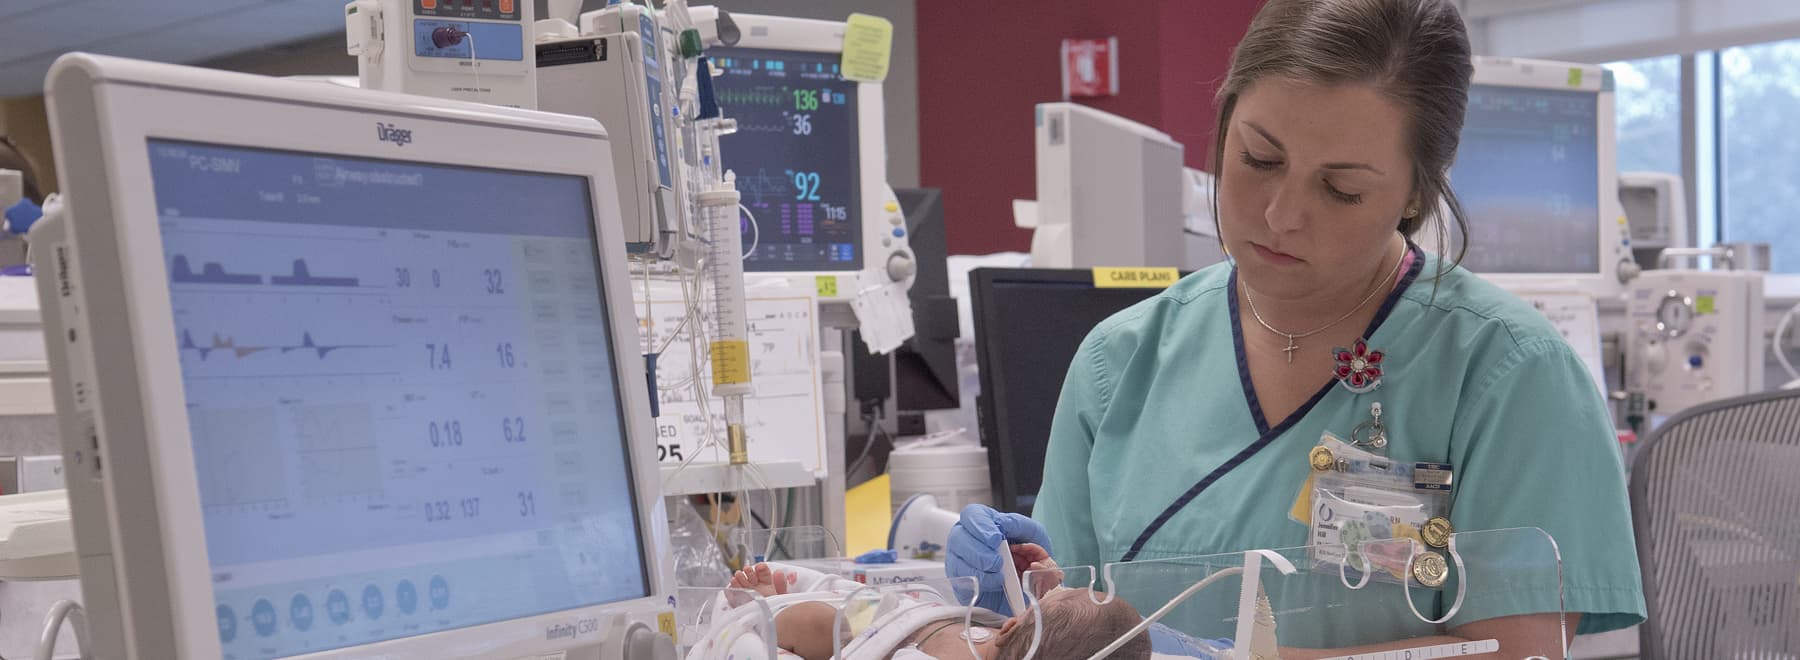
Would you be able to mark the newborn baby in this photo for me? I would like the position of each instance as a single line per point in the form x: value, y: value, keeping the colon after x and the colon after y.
x: 1074, y: 626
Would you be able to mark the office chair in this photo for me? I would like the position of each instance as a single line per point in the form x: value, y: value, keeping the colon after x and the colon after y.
x: 1715, y: 499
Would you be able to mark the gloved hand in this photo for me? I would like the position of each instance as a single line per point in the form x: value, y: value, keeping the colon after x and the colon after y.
x: 974, y: 550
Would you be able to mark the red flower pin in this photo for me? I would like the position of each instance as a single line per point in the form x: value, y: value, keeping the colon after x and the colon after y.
x: 1359, y: 368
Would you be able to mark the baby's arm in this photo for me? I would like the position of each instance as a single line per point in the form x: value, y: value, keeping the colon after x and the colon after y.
x: 809, y: 630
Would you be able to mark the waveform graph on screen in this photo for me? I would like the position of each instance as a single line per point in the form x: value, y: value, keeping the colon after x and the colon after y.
x: 761, y: 95
x: 181, y: 271
x: 301, y: 275
x: 218, y: 345
x: 762, y: 184
x: 763, y: 128
x: 339, y: 458
x: 294, y: 273
x: 238, y: 453
x: 322, y: 350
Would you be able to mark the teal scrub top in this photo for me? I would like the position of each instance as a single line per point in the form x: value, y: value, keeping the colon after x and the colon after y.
x: 1159, y: 450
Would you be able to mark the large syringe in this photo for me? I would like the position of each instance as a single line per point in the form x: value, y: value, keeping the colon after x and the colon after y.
x: 730, y: 332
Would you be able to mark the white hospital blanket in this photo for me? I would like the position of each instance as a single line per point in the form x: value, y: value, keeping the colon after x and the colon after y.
x: 896, y: 617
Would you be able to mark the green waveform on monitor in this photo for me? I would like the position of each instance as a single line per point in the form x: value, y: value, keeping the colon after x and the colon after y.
x: 752, y: 97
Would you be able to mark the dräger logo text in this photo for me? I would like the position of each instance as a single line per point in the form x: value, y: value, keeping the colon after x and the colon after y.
x: 391, y: 133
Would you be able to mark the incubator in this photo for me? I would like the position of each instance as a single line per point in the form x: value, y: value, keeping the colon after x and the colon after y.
x: 1212, y: 602
x: 872, y: 620
x: 1388, y: 598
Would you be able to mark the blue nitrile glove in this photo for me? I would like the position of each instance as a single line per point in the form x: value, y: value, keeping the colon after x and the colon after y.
x: 21, y: 216
x: 878, y: 557
x: 974, y: 549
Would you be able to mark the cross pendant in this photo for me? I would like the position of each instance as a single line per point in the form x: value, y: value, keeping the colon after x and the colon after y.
x: 1291, y: 347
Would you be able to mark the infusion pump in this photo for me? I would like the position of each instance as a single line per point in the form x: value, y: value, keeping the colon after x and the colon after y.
x: 467, y: 50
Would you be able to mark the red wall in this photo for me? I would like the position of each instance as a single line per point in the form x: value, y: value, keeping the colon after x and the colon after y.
x: 1198, y: 36
x: 984, y: 66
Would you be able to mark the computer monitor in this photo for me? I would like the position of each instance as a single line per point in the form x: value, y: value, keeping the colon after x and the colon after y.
x: 340, y: 373
x: 1110, y: 191
x: 1537, y: 177
x: 810, y: 153
x: 1024, y: 355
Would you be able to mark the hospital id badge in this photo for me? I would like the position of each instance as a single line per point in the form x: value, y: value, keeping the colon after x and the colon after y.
x: 1370, y: 515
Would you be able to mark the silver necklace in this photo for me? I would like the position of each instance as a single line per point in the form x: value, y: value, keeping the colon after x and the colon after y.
x: 1291, y: 336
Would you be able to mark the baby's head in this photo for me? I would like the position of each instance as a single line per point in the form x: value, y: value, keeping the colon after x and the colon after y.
x: 1074, y: 627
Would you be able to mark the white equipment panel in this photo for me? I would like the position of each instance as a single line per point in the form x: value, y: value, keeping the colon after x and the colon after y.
x: 1696, y: 336
x: 467, y: 50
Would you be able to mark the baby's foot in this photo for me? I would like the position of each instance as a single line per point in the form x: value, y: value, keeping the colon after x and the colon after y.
x: 1044, y: 575
x: 764, y: 580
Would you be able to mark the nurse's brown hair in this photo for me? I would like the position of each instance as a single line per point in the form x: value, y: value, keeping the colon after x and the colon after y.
x: 1414, y: 51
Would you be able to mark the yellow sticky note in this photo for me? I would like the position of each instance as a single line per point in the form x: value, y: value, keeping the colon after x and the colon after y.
x: 868, y: 44
x: 665, y: 622
x: 1574, y: 77
x: 1135, y: 278
x: 827, y: 285
x: 1705, y: 305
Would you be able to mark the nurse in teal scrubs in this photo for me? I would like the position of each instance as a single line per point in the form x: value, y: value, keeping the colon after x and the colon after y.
x: 1186, y: 421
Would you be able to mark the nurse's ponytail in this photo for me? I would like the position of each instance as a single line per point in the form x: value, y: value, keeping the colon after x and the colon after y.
x: 1415, y: 51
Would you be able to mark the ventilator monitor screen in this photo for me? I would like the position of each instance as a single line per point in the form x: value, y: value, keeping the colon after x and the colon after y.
x: 1528, y: 176
x: 796, y: 157
x: 401, y: 394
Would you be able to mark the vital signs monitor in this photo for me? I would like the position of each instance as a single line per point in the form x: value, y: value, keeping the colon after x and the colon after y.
x: 339, y: 374
x: 1536, y: 173
x: 810, y: 153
